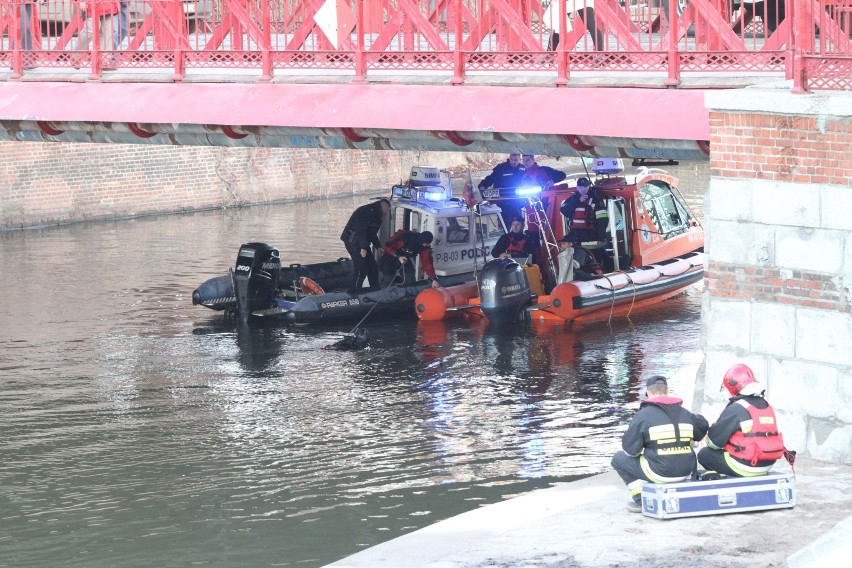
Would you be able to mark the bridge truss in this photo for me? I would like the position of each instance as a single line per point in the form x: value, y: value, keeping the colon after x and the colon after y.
x: 807, y: 41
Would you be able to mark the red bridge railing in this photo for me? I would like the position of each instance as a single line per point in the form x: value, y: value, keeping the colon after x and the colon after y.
x: 807, y: 41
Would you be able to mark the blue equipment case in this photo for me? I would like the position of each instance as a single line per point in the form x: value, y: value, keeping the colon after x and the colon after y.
x: 726, y: 495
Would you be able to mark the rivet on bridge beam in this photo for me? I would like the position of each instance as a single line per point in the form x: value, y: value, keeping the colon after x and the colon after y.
x: 48, y: 129
x: 135, y: 129
x: 353, y: 136
x: 574, y: 141
x: 454, y: 137
x: 231, y: 133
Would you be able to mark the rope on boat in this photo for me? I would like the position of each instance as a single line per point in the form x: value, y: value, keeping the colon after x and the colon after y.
x: 633, y: 300
x: 392, y: 282
x: 612, y: 303
x: 612, y: 290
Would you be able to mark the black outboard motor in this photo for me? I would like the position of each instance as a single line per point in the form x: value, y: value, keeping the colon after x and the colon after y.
x: 503, y: 289
x: 256, y: 278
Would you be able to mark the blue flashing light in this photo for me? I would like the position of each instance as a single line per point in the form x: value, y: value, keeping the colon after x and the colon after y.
x: 528, y: 190
x: 433, y: 195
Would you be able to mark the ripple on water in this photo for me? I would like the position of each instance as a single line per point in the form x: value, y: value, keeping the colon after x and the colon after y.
x: 139, y: 430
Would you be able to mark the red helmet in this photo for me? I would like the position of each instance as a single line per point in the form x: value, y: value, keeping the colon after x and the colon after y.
x: 737, y: 377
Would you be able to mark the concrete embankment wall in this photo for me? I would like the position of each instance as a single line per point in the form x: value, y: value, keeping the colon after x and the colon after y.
x: 49, y: 184
x: 778, y: 287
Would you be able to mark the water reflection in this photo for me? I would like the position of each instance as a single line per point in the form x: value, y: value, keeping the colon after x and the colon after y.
x: 140, y: 430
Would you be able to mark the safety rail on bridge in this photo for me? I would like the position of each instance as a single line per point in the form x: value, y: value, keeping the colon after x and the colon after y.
x: 807, y: 41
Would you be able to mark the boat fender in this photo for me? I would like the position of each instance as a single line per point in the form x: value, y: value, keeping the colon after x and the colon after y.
x: 613, y: 286
x: 674, y: 268
x: 433, y: 304
x: 296, y: 265
x: 309, y: 287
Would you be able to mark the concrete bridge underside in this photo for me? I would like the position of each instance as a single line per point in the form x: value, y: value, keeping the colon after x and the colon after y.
x: 604, y: 121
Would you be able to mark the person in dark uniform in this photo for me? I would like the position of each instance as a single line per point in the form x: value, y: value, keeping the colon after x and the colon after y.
x: 506, y: 175
x: 658, y: 443
x: 403, y: 246
x: 585, y: 266
x: 517, y: 243
x: 360, y: 232
x: 586, y: 213
x: 745, y: 440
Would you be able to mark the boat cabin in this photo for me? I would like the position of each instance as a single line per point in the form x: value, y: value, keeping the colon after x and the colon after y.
x: 647, y: 221
x: 463, y: 237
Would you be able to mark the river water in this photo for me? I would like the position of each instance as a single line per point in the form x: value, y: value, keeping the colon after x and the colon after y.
x: 138, y: 430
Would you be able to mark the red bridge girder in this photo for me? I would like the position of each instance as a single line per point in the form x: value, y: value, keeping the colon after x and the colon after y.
x: 451, y: 36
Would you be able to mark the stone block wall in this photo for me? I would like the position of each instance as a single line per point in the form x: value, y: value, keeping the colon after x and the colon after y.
x: 778, y: 285
x: 50, y: 183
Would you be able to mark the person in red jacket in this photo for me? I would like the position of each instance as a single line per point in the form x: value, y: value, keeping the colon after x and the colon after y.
x: 541, y: 176
x: 403, y: 246
x: 745, y: 440
x: 104, y: 11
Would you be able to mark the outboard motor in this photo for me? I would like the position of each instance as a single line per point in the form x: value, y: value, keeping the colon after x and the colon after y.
x: 256, y: 278
x: 503, y: 290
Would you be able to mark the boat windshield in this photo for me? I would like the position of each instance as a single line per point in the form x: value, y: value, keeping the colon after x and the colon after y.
x: 667, y: 213
x: 491, y: 228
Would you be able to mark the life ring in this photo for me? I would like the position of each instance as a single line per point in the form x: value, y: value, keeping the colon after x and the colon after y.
x: 309, y: 287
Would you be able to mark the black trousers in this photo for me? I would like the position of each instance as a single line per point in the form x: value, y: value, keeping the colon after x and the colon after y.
x: 587, y: 16
x: 365, y: 267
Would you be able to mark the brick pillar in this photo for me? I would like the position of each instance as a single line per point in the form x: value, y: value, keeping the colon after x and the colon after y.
x: 778, y: 286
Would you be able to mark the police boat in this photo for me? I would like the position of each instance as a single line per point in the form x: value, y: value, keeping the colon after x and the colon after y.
x: 653, y: 248
x: 259, y: 287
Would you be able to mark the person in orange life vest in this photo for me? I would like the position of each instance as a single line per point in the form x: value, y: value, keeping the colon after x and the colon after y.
x: 745, y: 440
x: 658, y: 443
x: 404, y: 245
x: 541, y: 176
x: 585, y: 265
x: 517, y: 243
x: 586, y: 213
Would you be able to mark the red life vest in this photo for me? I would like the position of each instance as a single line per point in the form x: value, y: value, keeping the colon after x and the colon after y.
x: 759, y: 441
x: 583, y: 217
x: 517, y: 248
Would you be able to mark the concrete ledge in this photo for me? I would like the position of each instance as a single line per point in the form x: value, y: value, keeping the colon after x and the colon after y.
x: 835, y: 104
x: 585, y: 524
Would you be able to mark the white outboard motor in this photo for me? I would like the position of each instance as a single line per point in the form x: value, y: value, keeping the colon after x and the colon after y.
x: 256, y: 277
x: 503, y: 290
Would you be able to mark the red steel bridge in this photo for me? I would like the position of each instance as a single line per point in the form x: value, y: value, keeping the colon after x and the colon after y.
x: 625, y: 76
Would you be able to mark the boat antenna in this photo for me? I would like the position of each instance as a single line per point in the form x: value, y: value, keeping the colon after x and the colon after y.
x: 478, y: 214
x: 583, y: 161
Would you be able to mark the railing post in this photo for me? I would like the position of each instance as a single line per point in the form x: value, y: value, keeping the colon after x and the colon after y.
x: 360, y: 60
x: 458, y: 56
x: 562, y: 71
x: 15, y: 36
x: 266, y: 54
x: 95, y: 50
x: 673, y: 57
x: 176, y: 12
x: 799, y: 18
